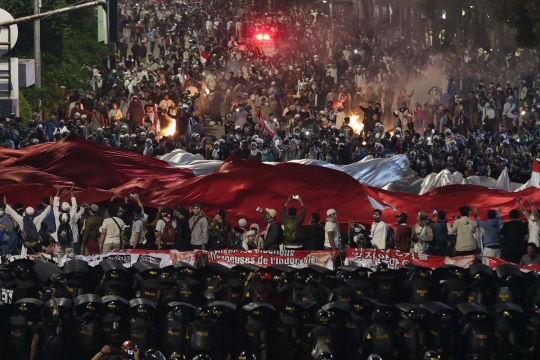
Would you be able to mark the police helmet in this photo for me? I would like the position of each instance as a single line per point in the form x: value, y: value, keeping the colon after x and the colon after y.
x: 175, y: 313
x: 114, y: 304
x: 300, y: 277
x: 202, y: 357
x: 177, y: 356
x: 244, y: 355
x: 344, y: 277
x: 153, y: 354
x: 202, y: 313
x: 381, y: 314
x: 114, y: 274
x: 324, y: 317
x: 447, y: 316
x: 325, y: 355
x: 142, y: 308
x: 21, y: 271
x: 382, y: 267
x: 57, y: 279
x: 417, y: 314
x: 128, y: 349
x: 186, y: 271
x: 431, y: 355
x: 423, y: 273
x: 374, y: 357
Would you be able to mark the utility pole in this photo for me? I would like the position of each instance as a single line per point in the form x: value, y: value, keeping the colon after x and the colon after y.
x: 37, y: 42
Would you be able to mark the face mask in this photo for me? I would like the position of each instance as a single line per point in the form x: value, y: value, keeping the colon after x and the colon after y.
x: 265, y: 151
x: 2, y: 213
x: 254, y: 152
x: 461, y: 108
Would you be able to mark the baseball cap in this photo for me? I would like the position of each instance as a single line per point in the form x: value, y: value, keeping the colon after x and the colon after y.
x: 271, y: 212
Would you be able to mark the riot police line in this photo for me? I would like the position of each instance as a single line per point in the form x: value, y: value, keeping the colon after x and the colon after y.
x: 279, y: 312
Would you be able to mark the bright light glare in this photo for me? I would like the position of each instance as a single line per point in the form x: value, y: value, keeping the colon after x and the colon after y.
x: 169, y: 130
x: 356, y: 124
x: 262, y: 37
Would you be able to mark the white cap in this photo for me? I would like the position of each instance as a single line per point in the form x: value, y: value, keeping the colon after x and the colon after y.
x: 242, y: 222
x: 330, y: 212
x: 65, y: 206
x: 297, y: 116
x: 237, y: 127
x: 29, y: 211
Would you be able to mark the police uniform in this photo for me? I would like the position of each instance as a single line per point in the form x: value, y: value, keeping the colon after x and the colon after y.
x: 259, y: 329
x: 477, y: 335
x: 88, y: 336
x: 142, y: 326
x: 413, y: 330
x: 381, y: 338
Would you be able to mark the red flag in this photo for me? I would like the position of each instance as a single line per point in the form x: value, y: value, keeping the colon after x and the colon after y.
x: 204, y: 57
x: 535, y: 174
x: 265, y: 124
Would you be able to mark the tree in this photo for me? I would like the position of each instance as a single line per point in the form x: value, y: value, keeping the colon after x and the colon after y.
x: 523, y: 16
x: 67, y: 42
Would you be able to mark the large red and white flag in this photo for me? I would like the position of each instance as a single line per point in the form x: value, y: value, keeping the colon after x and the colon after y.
x: 265, y: 124
x: 535, y: 174
x: 204, y: 57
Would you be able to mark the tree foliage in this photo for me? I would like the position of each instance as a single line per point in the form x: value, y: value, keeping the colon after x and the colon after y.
x: 519, y: 16
x: 67, y: 42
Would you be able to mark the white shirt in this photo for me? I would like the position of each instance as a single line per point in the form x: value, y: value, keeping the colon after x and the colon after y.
x: 113, y: 230
x: 378, y: 234
x: 19, y: 219
x: 160, y: 226
x: 74, y: 217
x: 534, y: 232
x: 334, y: 227
x: 508, y: 108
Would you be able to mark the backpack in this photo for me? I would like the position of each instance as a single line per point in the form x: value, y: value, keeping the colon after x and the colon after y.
x: 31, y: 236
x: 64, y: 234
x: 168, y: 235
x: 291, y: 231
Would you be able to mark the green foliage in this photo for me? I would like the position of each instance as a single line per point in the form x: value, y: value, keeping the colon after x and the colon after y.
x: 68, y: 42
x: 51, y: 99
x: 25, y: 110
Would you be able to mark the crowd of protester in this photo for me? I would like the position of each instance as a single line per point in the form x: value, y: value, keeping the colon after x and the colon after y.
x: 182, y: 68
x: 68, y: 229
x: 209, y: 311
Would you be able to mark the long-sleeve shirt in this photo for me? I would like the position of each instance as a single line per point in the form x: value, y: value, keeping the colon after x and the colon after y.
x: 199, y: 230
x: 19, y: 219
x: 492, y: 230
x: 465, y: 229
x: 487, y: 112
x: 378, y: 235
x: 91, y: 228
x: 74, y: 216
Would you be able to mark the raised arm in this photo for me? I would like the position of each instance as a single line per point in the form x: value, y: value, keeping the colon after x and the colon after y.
x: 522, y: 208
